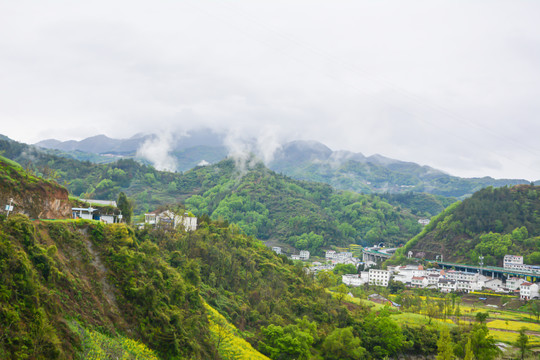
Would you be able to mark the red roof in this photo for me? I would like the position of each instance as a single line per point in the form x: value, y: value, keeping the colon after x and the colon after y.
x: 418, y: 278
x: 526, y: 284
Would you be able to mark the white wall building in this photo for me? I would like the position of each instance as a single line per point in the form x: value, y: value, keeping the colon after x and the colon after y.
x: 514, y: 283
x: 379, y: 277
x: 355, y: 279
x: 510, y: 261
x: 276, y: 249
x: 447, y: 285
x: 493, y: 284
x: 528, y: 291
x: 419, y: 281
x: 304, y: 255
x: 168, y: 219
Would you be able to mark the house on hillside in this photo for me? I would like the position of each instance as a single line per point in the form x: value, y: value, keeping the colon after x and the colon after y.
x: 276, y: 249
x: 100, y: 210
x: 169, y: 220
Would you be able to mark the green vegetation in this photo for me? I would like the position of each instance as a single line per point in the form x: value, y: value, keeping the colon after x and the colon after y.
x: 380, y: 175
x: 491, y: 223
x: 264, y: 204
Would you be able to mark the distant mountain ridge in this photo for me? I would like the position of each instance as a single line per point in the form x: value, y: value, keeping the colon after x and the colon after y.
x: 300, y: 159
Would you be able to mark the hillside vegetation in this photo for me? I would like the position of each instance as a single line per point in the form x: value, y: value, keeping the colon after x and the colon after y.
x: 304, y: 214
x: 491, y: 223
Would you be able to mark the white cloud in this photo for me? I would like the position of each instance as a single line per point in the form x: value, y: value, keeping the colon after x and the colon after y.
x: 449, y: 84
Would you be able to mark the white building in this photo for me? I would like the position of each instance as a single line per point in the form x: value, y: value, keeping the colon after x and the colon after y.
x: 379, y: 277
x: 106, y: 215
x: 295, y: 257
x: 462, y: 275
x: 512, y: 261
x: 168, y: 219
x: 465, y: 286
x: 423, y: 222
x: 433, y: 279
x: 330, y: 254
x: 276, y: 249
x: 419, y: 281
x: 493, y: 284
x: 304, y: 255
x: 514, y: 283
x: 355, y: 279
x: 528, y: 291
x: 447, y: 285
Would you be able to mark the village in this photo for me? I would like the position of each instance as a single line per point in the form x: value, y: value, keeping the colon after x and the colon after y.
x: 417, y: 276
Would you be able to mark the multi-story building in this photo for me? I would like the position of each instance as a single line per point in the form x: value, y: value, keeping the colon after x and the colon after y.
x: 419, y: 281
x: 304, y: 255
x: 276, y: 249
x: 379, y: 277
x: 528, y: 291
x: 462, y: 275
x: 514, y: 283
x: 512, y: 261
x: 447, y: 285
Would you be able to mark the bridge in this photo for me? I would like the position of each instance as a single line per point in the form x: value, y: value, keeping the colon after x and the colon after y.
x: 377, y: 254
x: 493, y: 271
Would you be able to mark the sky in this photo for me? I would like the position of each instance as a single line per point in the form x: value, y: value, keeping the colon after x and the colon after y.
x: 450, y: 84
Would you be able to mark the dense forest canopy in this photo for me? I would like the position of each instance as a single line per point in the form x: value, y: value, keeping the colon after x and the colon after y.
x: 491, y: 223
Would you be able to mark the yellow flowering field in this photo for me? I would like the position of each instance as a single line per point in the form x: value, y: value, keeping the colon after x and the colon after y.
x: 229, y: 344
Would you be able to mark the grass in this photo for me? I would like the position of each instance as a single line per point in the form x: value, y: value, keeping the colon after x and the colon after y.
x: 513, y: 325
x: 510, y: 338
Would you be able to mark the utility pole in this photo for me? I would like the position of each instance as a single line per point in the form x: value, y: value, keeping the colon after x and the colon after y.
x: 9, y: 207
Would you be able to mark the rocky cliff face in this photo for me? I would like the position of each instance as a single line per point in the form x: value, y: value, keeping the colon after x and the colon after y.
x: 32, y: 196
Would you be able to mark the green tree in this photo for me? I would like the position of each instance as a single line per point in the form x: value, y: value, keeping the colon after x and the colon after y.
x: 482, y: 343
x: 469, y: 354
x: 342, y: 344
x: 126, y: 207
x: 481, y: 317
x: 289, y: 342
x: 522, y: 343
x: 444, y: 346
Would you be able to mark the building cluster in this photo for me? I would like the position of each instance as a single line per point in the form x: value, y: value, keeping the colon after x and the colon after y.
x: 415, y: 276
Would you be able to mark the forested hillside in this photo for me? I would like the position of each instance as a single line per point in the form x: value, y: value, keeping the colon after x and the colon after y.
x: 311, y: 160
x: 304, y: 214
x: 491, y: 223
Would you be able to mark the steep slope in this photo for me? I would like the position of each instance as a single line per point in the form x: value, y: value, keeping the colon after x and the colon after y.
x: 30, y: 195
x: 491, y: 223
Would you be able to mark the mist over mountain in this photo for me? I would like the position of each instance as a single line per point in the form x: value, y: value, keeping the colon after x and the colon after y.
x: 300, y: 159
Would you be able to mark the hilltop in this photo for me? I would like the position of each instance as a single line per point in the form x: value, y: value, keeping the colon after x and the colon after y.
x: 491, y: 223
x: 300, y: 159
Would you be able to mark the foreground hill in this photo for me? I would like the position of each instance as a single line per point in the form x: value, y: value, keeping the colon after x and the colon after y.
x: 491, y: 223
x: 80, y: 289
x: 267, y: 205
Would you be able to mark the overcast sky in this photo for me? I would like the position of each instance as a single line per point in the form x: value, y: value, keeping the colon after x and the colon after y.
x: 450, y: 84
